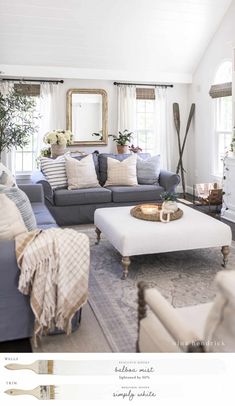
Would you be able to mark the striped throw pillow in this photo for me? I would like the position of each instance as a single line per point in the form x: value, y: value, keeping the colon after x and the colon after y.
x: 22, y: 203
x: 55, y: 172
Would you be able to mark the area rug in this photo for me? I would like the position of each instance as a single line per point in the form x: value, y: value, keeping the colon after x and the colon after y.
x: 184, y: 278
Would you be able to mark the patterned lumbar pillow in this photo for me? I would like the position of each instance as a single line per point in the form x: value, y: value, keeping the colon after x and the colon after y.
x: 121, y: 173
x: 148, y: 170
x: 54, y: 171
x: 6, y: 177
x: 81, y: 174
x: 11, y: 222
x: 22, y: 203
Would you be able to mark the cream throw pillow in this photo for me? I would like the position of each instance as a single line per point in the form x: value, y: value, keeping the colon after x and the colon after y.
x: 11, y: 222
x: 81, y: 174
x: 220, y: 325
x: 122, y: 173
x: 6, y: 177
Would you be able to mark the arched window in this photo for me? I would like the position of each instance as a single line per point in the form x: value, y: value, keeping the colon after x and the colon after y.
x: 223, y: 73
x: 221, y: 92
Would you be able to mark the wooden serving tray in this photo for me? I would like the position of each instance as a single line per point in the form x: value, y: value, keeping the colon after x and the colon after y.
x: 137, y: 212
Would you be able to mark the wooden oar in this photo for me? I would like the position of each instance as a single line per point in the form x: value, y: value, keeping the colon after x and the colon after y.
x: 190, y: 117
x: 176, y: 113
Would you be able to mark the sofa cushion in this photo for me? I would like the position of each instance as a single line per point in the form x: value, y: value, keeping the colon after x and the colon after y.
x: 148, y: 170
x: 54, y: 170
x: 95, y: 160
x: 22, y: 202
x: 81, y: 174
x: 11, y: 222
x: 122, y: 172
x: 139, y: 193
x: 103, y: 163
x: 64, y: 197
x: 6, y: 177
x: 43, y: 217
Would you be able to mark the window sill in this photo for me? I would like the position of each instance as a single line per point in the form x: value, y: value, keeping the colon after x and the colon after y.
x: 23, y: 175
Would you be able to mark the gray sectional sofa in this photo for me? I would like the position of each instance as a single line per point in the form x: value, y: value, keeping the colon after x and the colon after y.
x: 16, y: 317
x: 70, y: 207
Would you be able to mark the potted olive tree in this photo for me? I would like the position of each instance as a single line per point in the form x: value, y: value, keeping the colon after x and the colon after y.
x: 122, y: 140
x: 18, y: 120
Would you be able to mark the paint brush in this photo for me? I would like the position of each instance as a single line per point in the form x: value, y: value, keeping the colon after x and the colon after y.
x: 70, y: 367
x: 66, y: 392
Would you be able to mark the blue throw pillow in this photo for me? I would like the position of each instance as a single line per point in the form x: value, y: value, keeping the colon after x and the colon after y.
x: 22, y: 202
x: 148, y: 170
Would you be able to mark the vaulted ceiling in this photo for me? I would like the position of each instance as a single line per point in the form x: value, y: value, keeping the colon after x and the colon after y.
x: 124, y: 38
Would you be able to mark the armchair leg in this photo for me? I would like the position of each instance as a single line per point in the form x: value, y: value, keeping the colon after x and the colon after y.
x: 142, y: 308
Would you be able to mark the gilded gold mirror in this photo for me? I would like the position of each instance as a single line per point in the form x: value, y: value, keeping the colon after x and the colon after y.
x: 87, y: 116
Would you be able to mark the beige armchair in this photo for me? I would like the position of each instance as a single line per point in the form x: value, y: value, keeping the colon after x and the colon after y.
x: 206, y: 327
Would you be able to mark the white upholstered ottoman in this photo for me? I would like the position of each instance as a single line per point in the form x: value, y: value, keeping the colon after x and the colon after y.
x: 131, y: 236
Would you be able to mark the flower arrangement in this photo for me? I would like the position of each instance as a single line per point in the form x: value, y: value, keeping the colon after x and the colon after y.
x: 134, y: 149
x: 59, y: 137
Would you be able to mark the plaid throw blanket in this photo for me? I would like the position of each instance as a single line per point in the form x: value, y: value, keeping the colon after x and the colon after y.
x: 54, y: 266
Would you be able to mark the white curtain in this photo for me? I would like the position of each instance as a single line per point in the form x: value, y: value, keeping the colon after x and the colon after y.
x: 126, y: 107
x: 162, y: 127
x: 8, y: 157
x: 49, y: 110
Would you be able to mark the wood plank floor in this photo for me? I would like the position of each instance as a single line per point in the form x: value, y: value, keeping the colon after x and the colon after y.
x: 88, y: 338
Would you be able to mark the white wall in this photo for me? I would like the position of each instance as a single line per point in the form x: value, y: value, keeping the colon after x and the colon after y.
x: 200, y: 146
x: 179, y: 93
x: 112, y: 108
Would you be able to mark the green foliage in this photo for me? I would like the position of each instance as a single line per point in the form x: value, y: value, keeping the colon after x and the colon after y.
x: 169, y: 196
x: 45, y: 152
x: 99, y: 134
x: 123, y: 138
x: 232, y: 145
x: 17, y: 120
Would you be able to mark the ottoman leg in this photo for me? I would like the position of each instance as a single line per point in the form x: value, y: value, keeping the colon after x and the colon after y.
x: 98, y: 232
x: 125, y: 262
x: 225, y: 252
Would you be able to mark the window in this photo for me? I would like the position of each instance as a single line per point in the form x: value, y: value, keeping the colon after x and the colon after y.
x: 25, y: 158
x: 221, y: 92
x: 223, y: 131
x: 145, y: 120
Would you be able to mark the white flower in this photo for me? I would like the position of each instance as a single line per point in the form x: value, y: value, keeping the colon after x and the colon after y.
x: 60, y: 137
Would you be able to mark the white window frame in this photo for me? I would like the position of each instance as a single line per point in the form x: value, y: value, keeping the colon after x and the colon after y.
x: 34, y: 153
x: 219, y: 132
x: 145, y: 131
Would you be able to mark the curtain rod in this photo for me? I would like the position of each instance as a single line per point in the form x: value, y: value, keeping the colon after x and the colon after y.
x: 141, y: 84
x: 32, y: 80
